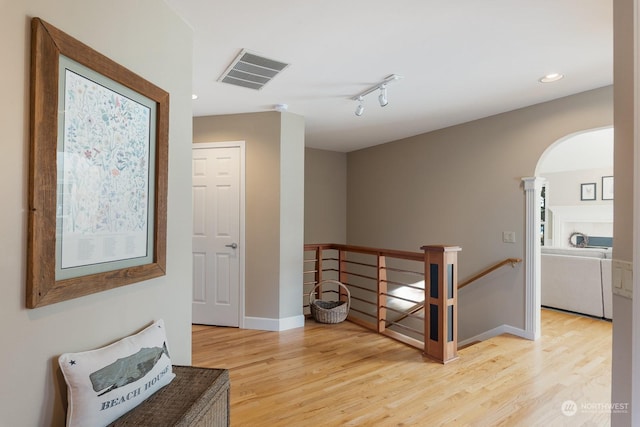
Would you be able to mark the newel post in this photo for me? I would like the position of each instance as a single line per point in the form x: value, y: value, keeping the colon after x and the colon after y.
x: 441, y: 302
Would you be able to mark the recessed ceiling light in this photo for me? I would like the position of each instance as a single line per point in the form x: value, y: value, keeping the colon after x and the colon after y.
x: 194, y: 96
x: 550, y: 78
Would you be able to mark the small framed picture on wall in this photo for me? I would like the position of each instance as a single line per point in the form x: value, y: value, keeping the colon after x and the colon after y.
x: 588, y: 191
x: 607, y: 188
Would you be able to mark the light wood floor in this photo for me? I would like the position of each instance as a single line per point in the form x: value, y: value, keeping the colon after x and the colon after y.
x: 344, y: 375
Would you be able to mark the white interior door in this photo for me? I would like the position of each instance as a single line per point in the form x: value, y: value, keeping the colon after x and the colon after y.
x: 217, y: 223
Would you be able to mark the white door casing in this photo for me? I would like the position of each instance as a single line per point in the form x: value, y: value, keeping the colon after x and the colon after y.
x: 218, y: 233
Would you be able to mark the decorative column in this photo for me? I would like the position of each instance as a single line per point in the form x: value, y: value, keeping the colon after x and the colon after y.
x: 532, y: 188
x: 441, y: 302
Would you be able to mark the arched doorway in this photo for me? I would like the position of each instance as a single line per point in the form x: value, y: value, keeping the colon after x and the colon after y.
x: 570, y: 197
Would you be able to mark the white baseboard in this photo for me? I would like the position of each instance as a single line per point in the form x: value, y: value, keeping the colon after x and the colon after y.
x: 276, y: 325
x: 503, y: 329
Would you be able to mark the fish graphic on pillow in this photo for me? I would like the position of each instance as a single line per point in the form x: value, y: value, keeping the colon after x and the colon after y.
x: 127, y: 369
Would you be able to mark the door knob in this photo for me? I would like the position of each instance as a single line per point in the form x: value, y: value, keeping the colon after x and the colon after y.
x: 232, y: 246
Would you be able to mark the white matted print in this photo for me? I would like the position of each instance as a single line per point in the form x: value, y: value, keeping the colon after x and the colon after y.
x: 105, y: 194
x: 588, y: 191
x: 607, y: 188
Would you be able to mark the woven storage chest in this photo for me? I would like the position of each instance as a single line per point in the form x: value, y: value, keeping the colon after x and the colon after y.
x: 196, y: 397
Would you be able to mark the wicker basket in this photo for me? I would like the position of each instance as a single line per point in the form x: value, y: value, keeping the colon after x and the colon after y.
x: 329, y: 311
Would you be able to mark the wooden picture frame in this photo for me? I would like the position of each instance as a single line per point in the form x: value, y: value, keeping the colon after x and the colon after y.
x: 96, y: 221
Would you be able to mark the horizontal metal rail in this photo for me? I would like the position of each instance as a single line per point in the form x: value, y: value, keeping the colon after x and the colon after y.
x: 390, y: 282
x: 363, y: 312
x: 404, y: 313
x: 359, y: 287
x: 399, y: 270
x: 405, y: 327
x: 363, y: 300
x: 360, y: 275
x: 402, y: 298
x: 359, y: 263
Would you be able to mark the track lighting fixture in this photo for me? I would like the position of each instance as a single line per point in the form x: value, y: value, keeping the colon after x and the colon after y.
x: 382, y: 98
x: 360, y: 107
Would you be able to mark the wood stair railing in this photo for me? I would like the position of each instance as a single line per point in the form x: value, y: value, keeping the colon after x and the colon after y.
x: 374, y: 274
x: 383, y: 281
x: 512, y: 261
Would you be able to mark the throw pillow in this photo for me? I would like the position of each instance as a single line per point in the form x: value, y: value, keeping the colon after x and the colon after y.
x: 104, y: 384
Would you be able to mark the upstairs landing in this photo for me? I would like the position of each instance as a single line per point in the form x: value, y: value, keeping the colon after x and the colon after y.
x: 343, y: 374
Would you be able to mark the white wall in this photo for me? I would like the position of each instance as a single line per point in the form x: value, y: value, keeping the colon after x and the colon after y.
x: 141, y: 35
x: 564, y: 187
x: 567, y: 213
x: 580, y: 158
x: 592, y: 149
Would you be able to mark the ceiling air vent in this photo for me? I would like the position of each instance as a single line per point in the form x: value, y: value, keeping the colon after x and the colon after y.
x: 251, y: 70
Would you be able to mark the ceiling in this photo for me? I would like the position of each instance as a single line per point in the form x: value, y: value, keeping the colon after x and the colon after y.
x: 460, y: 60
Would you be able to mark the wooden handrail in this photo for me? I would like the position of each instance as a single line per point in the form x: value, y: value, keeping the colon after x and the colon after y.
x: 414, y: 256
x: 512, y: 261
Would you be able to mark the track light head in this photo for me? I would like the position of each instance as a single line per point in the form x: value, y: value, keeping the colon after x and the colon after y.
x: 382, y: 98
x: 360, y: 107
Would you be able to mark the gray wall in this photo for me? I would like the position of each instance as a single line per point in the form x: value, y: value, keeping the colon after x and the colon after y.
x: 274, y: 166
x: 325, y: 201
x: 462, y: 186
x: 32, y: 390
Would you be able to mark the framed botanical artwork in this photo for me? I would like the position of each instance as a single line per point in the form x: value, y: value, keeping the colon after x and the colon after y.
x: 97, y: 172
x: 607, y: 188
x: 588, y: 191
